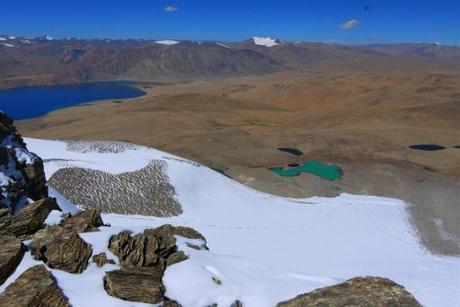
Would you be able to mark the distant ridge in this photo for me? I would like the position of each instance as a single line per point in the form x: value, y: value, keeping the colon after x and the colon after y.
x: 44, y: 60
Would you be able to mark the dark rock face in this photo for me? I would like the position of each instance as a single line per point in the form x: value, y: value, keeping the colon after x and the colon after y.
x: 134, y: 286
x: 34, y: 287
x: 84, y: 221
x: 101, y: 260
x: 11, y: 253
x: 144, y: 258
x: 29, y: 220
x: 360, y: 291
x: 22, y: 171
x: 237, y: 303
x: 61, y: 249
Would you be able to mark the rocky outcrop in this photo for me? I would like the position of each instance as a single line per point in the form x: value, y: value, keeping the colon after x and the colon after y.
x: 34, y: 287
x: 135, y: 285
x: 101, y: 259
x: 22, y: 174
x: 359, y: 291
x: 83, y: 221
x: 62, y: 249
x: 11, y: 253
x: 29, y: 220
x: 152, y: 247
x: 144, y: 258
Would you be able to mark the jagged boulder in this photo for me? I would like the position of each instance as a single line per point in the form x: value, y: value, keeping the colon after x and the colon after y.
x: 11, y: 253
x: 135, y: 285
x: 22, y: 174
x: 34, y: 287
x: 144, y: 258
x: 29, y: 220
x: 83, y: 221
x: 136, y: 251
x: 152, y: 247
x: 364, y: 291
x: 101, y: 259
x: 61, y: 249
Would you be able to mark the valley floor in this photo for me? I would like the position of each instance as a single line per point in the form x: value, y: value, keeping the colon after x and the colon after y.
x: 364, y: 123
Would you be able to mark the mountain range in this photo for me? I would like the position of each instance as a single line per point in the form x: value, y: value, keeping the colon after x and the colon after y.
x: 44, y: 60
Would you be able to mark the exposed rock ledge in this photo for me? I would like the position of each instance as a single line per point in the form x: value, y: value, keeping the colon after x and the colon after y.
x: 34, y: 287
x: 360, y: 291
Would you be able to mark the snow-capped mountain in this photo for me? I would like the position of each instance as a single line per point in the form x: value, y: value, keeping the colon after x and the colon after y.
x: 266, y: 41
x: 167, y: 42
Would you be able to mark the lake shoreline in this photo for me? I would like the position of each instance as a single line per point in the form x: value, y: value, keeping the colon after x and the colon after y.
x: 31, y: 102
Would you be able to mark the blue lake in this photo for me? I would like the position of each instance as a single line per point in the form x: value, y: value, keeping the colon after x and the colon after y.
x: 28, y: 102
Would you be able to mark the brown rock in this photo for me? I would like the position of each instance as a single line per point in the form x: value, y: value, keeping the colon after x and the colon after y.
x: 34, y: 287
x: 152, y: 246
x: 29, y: 220
x: 11, y: 253
x: 140, y: 250
x: 61, y: 249
x: 144, y: 258
x: 186, y: 232
x: 360, y: 291
x: 169, y: 303
x: 84, y: 221
x: 176, y: 257
x: 101, y: 260
x: 134, y: 286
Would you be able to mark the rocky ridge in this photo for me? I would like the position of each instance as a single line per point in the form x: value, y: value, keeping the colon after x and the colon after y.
x: 22, y: 177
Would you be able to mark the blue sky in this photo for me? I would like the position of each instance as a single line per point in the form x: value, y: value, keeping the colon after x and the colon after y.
x: 383, y: 21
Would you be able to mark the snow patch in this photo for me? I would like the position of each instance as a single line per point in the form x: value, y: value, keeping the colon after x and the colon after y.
x: 223, y: 45
x: 54, y: 218
x: 265, y: 41
x: 167, y: 42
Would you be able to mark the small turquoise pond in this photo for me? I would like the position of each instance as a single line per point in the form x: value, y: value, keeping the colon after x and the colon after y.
x: 323, y: 170
x: 29, y: 102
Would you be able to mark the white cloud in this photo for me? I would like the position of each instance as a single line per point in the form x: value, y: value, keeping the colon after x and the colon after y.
x: 171, y: 9
x: 350, y: 24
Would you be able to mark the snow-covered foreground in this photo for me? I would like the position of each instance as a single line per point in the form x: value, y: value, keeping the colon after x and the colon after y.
x: 264, y: 249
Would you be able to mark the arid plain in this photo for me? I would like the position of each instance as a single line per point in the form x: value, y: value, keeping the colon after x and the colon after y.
x: 364, y: 123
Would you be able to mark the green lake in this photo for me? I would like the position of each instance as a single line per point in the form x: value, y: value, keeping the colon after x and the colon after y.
x: 323, y: 170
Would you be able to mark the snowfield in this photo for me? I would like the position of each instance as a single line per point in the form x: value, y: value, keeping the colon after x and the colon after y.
x: 265, y: 41
x: 264, y: 249
x: 167, y: 42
